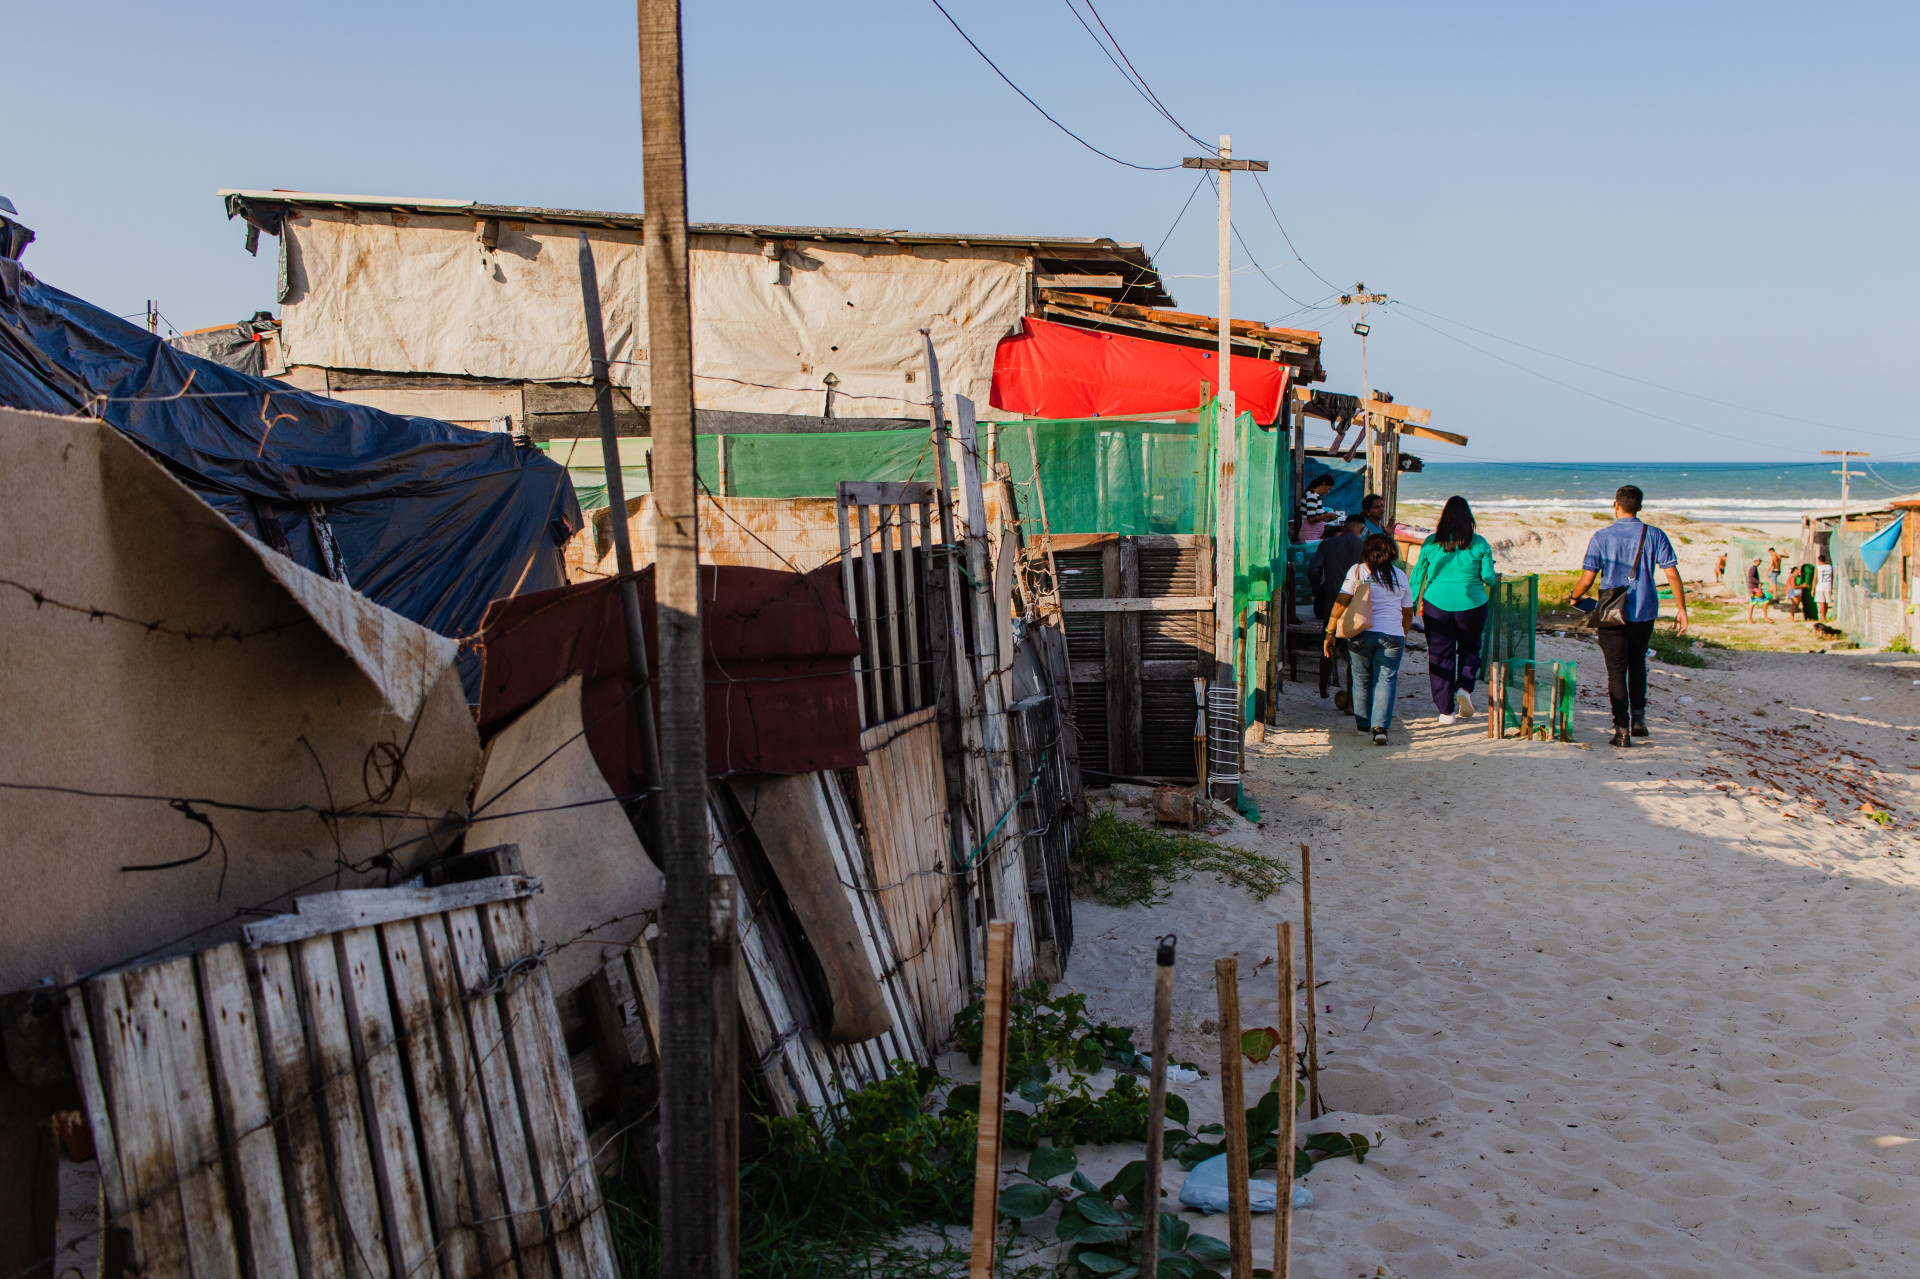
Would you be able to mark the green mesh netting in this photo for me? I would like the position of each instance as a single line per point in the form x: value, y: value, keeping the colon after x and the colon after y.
x: 1554, y: 686
x: 1511, y: 620
x: 808, y: 465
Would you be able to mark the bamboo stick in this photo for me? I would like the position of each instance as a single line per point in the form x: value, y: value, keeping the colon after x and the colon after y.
x: 1314, y: 1108
x: 1233, y: 1106
x: 1495, y: 693
x: 1156, y: 1110
x: 993, y: 1092
x: 1283, y: 1209
x: 1527, y: 686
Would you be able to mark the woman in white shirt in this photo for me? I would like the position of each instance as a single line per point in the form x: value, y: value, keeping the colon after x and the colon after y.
x: 1375, y: 653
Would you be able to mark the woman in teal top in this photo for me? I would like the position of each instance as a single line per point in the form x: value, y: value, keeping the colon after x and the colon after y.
x: 1450, y: 584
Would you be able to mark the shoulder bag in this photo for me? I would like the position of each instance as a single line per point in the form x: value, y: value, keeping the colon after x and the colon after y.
x: 1359, y: 614
x: 1610, y: 606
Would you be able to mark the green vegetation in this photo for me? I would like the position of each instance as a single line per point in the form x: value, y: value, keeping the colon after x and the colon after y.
x: 1556, y: 589
x: 1898, y: 644
x: 1674, y: 649
x: 818, y: 1200
x: 1123, y: 863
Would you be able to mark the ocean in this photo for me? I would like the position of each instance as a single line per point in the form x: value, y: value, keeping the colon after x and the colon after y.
x: 1719, y: 492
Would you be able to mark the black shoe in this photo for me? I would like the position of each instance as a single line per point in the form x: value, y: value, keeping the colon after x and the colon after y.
x: 1639, y: 728
x: 1621, y: 737
x: 1379, y: 737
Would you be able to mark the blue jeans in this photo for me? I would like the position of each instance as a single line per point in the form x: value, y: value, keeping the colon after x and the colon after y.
x: 1375, y: 663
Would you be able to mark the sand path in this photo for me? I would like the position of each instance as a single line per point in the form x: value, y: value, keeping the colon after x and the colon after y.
x: 1634, y: 1012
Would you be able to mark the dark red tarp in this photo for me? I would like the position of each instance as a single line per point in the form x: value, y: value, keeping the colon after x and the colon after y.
x: 779, y: 654
x: 1051, y: 370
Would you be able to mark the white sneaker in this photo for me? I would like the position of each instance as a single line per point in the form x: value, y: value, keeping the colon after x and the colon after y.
x: 1463, y: 703
x: 1446, y: 720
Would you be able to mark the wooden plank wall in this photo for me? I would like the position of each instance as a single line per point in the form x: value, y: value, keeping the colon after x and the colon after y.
x: 385, y: 1101
x: 1133, y: 666
x: 903, y: 798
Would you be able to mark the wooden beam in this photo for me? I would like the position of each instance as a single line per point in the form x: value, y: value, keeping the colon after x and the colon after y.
x: 1206, y: 324
x: 1090, y: 315
x: 1080, y: 281
x: 1147, y: 604
x: 1429, y: 433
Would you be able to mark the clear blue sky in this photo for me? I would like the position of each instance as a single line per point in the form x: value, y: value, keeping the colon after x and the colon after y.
x: 1714, y: 197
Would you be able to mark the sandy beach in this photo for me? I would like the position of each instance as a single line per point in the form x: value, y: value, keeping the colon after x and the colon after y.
x: 1639, y: 1013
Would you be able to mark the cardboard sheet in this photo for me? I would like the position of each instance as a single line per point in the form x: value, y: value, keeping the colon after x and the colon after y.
x: 169, y: 688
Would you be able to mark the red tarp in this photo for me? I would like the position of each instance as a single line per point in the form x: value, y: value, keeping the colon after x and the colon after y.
x: 779, y: 652
x: 1051, y: 370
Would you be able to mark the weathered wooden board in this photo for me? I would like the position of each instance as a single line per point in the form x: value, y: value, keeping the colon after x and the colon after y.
x: 391, y: 1100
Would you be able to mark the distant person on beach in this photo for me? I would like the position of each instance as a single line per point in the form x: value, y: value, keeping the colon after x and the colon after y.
x: 1823, y: 585
x: 1803, y: 592
x: 1313, y: 510
x: 1773, y: 572
x: 1374, y: 654
x: 1450, y: 584
x: 1757, y: 596
x: 1720, y: 568
x: 1325, y: 571
x: 1625, y: 553
x: 1374, y: 507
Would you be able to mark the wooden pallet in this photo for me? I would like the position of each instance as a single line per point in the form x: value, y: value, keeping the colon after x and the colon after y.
x: 386, y: 1099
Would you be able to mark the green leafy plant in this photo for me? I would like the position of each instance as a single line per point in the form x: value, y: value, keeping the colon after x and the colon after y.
x: 1898, y: 644
x: 1102, y: 1225
x: 1673, y: 648
x: 1126, y: 863
x: 821, y: 1194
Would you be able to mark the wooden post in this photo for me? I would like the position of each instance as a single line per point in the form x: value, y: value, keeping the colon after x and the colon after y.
x: 1233, y: 1107
x: 1497, y: 701
x: 638, y: 674
x: 689, y: 1211
x: 1283, y: 1210
x: 993, y: 1095
x: 1314, y: 1109
x: 1156, y: 1110
x: 1526, y: 703
x: 1046, y: 529
x: 723, y: 899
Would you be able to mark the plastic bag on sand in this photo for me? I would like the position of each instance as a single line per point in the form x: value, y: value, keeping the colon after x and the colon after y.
x: 1206, y: 1189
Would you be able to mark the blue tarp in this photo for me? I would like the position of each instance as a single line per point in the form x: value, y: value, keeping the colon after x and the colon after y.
x: 432, y: 520
x: 1874, y: 551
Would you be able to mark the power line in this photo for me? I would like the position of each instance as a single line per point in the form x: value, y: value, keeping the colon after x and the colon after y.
x: 1208, y: 174
x: 1144, y: 168
x: 1289, y: 239
x: 1183, y: 213
x: 1132, y: 73
x: 1619, y: 404
x: 1671, y: 390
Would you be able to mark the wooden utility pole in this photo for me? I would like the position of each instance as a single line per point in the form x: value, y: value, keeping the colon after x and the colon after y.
x: 1224, y: 620
x: 1843, y: 455
x: 1361, y: 329
x: 689, y: 1186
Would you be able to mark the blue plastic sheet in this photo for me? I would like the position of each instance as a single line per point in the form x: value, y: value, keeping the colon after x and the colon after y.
x: 432, y: 520
x: 1874, y: 551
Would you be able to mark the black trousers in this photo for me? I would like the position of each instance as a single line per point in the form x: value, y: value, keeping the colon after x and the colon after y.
x: 1625, y: 648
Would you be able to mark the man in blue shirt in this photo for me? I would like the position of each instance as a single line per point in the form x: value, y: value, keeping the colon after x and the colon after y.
x: 1611, y: 556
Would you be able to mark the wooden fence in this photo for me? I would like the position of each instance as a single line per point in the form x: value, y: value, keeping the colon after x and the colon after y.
x: 389, y: 1098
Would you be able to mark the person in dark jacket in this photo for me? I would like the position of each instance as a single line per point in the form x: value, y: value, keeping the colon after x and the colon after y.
x: 1329, y: 565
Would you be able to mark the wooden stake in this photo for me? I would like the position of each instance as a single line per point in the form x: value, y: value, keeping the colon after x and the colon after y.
x: 1314, y: 1108
x: 1233, y: 1105
x: 993, y: 1093
x: 1283, y: 1210
x: 1156, y: 1110
x: 1526, y: 703
x: 723, y: 899
x: 689, y: 1211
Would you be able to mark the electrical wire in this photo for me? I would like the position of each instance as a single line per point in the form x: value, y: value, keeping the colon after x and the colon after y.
x: 1619, y: 404
x: 1249, y: 252
x: 1182, y: 214
x: 1144, y: 168
x: 1671, y: 390
x: 1135, y: 81
x: 1265, y: 199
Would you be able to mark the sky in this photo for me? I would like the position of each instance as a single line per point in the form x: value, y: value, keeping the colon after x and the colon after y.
x: 1714, y: 198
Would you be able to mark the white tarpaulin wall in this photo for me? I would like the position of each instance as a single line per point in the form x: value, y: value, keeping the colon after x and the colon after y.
x: 399, y: 292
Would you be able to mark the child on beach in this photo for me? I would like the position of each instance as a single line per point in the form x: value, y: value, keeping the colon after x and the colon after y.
x: 1757, y: 596
x: 1823, y: 585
